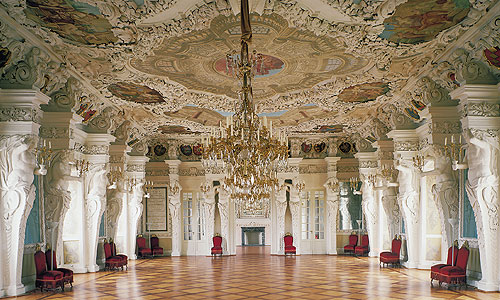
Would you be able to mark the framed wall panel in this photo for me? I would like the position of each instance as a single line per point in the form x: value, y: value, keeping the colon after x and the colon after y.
x: 157, y: 210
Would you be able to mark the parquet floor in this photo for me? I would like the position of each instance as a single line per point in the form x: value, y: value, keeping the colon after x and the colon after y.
x: 258, y: 275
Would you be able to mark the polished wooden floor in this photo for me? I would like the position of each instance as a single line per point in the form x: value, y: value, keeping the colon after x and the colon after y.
x: 254, y: 274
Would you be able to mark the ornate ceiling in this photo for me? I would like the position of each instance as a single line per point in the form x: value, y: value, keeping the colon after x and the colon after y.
x: 330, y: 67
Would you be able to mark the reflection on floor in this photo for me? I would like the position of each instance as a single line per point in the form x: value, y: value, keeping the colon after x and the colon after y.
x: 259, y: 276
x: 253, y: 250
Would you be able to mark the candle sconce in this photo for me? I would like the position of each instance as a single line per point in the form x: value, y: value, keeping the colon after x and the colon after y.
x: 372, y: 178
x: 418, y: 162
x: 456, y: 153
x: 332, y: 184
x: 148, y: 186
x: 43, y: 156
x: 174, y: 188
x: 354, y: 185
x: 300, y: 186
x: 114, y: 175
x: 388, y: 173
x: 82, y: 166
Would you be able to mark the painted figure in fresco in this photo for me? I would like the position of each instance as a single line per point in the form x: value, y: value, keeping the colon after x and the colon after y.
x: 364, y: 92
x: 75, y: 21
x: 419, y: 21
x: 135, y: 93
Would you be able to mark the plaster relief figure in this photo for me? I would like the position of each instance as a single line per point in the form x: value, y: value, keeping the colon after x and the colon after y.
x: 408, y: 194
x: 482, y: 188
x: 17, y: 193
x: 445, y: 192
x: 95, y: 203
x: 58, y: 196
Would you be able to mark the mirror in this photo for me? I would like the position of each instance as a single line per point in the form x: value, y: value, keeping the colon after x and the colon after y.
x: 349, y: 208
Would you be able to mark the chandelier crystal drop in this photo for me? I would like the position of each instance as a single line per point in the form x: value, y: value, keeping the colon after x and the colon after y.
x: 245, y: 148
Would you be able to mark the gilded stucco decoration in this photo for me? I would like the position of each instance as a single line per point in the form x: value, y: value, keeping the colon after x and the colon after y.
x: 293, y: 59
x: 164, y: 69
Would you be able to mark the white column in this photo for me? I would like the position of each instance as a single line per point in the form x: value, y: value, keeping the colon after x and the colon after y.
x: 406, y: 146
x: 95, y: 183
x: 208, y: 198
x: 332, y: 205
x: 174, y: 205
x: 481, y: 125
x: 18, y: 137
x: 223, y: 207
x: 117, y: 198
x: 280, y: 204
x: 136, y: 169
x: 295, y: 205
x: 59, y: 128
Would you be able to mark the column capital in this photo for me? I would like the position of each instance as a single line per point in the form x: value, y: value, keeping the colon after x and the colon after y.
x: 20, y: 111
x: 173, y: 165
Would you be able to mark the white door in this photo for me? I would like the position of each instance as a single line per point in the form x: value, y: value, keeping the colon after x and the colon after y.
x: 313, y: 222
x: 193, y: 224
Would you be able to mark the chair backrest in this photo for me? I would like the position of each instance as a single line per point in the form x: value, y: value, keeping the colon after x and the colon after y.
x: 353, y: 239
x: 113, y: 248
x: 155, y: 242
x: 40, y: 263
x: 288, y: 239
x: 396, y: 246
x: 463, y: 257
x: 364, y: 240
x: 217, y: 240
x: 141, y: 242
x: 107, y: 250
x: 452, y: 251
x: 48, y: 255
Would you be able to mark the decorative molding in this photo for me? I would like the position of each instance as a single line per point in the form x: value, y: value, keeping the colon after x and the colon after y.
x: 347, y: 169
x: 483, y: 109
x: 406, y: 146
x: 446, y: 127
x: 310, y: 169
x: 14, y: 114
x: 368, y: 164
x: 193, y: 171
x: 288, y: 169
x: 157, y: 172
x: 56, y: 132
x: 136, y: 168
x: 92, y: 149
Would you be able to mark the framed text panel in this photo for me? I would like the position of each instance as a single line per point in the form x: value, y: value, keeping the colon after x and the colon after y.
x: 156, y: 210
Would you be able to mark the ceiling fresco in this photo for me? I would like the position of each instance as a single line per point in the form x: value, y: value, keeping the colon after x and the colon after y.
x: 135, y: 93
x: 417, y: 21
x: 174, y: 129
x: 364, y: 92
x: 163, y: 64
x: 75, y: 21
x: 293, y: 59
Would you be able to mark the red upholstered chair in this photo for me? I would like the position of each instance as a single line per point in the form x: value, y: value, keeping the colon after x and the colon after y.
x: 67, y: 273
x: 451, y: 261
x: 217, y: 248
x: 353, y: 241
x: 155, y: 245
x: 142, y: 250
x: 393, y: 256
x: 456, y: 274
x: 123, y: 257
x: 46, y: 279
x: 112, y: 262
x: 289, y: 247
x: 363, y: 248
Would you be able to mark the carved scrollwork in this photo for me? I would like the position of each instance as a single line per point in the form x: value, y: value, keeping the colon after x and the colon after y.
x: 13, y: 114
x: 483, y: 109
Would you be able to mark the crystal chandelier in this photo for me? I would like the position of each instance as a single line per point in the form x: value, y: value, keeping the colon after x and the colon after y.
x: 246, y: 148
